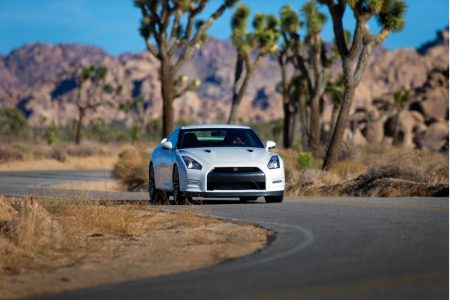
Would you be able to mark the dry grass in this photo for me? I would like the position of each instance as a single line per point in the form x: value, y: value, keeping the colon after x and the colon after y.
x: 49, y: 246
x: 422, y: 167
x: 29, y: 156
x: 132, y: 166
x: 99, y: 185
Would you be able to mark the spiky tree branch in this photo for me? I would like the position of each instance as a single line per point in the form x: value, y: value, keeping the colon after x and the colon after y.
x: 251, y: 48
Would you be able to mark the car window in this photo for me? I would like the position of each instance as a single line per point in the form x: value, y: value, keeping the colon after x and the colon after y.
x: 221, y: 137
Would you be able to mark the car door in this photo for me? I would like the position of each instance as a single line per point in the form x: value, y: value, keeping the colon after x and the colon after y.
x: 157, y: 165
x: 166, y: 161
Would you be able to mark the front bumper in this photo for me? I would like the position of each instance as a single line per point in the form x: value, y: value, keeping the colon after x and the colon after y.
x: 208, y: 184
x: 234, y: 194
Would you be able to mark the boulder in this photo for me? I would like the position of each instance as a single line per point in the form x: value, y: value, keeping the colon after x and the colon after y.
x: 403, y: 127
x: 374, y: 131
x: 435, y: 136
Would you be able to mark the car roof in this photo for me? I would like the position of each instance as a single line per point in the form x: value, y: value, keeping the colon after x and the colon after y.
x: 218, y: 126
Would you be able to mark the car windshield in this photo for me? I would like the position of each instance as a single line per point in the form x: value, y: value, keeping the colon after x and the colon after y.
x: 218, y: 137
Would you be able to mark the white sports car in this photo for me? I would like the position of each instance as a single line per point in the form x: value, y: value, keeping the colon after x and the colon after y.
x: 215, y: 161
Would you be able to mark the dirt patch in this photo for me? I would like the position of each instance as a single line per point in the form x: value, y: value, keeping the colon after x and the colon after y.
x: 54, y: 246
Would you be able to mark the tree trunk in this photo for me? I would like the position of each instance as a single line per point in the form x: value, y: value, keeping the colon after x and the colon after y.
x: 334, y: 116
x: 315, y: 123
x: 303, y: 116
x: 237, y: 86
x: 285, y: 94
x: 81, y: 113
x: 167, y: 74
x: 287, y: 125
x: 293, y: 124
x: 237, y: 98
x: 339, y: 129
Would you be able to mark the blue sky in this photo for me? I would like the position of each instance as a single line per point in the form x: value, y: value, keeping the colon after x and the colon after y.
x: 112, y: 24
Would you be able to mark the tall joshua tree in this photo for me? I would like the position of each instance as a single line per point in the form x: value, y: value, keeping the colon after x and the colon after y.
x: 251, y: 48
x: 356, y: 53
x: 312, y: 63
x: 174, y: 27
x: 289, y: 24
x: 93, y: 91
x: 315, y: 66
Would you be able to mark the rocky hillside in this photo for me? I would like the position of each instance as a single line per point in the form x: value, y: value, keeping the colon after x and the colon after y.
x: 34, y: 78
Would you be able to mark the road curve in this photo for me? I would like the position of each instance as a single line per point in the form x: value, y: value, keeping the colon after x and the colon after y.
x: 324, y: 248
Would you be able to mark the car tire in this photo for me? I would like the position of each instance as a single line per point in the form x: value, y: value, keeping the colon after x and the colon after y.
x: 274, y: 199
x: 248, y: 198
x: 153, y: 192
x: 178, y: 196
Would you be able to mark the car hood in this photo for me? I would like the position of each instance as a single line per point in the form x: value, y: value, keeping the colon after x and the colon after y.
x: 228, y: 155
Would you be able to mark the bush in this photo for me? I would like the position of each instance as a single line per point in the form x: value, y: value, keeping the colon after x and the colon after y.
x: 131, y: 168
x: 59, y: 153
x: 136, y: 133
x: 305, y: 160
x: 9, y: 154
x: 84, y: 150
x: 12, y: 121
x: 51, y: 134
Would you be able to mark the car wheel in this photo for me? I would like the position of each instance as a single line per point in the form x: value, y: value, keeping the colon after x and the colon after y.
x: 274, y: 199
x: 248, y: 198
x: 178, y: 196
x: 152, y: 191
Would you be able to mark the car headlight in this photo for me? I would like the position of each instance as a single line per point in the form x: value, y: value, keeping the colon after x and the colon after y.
x: 274, y: 162
x: 191, y: 163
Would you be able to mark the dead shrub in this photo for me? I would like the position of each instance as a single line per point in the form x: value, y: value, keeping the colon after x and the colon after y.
x: 84, y: 150
x: 58, y: 153
x: 132, y: 167
x: 347, y: 169
x: 10, y: 154
x: 428, y: 171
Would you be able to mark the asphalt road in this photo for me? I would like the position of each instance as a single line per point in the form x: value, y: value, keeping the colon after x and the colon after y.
x: 323, y: 248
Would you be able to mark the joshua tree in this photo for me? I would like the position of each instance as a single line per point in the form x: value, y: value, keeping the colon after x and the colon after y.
x: 355, y: 54
x: 311, y: 60
x: 289, y: 23
x: 92, y: 91
x: 251, y: 48
x: 175, y: 28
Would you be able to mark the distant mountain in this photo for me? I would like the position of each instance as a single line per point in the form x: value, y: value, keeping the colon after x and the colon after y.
x: 33, y: 78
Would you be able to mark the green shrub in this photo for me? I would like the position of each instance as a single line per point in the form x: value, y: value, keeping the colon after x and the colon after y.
x: 136, y: 133
x: 12, y: 121
x: 305, y: 160
x: 51, y: 134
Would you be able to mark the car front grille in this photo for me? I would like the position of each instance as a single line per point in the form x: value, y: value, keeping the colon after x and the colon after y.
x: 235, y: 170
x: 236, y: 178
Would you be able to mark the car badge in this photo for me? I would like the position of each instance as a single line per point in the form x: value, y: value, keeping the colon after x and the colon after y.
x: 235, y: 169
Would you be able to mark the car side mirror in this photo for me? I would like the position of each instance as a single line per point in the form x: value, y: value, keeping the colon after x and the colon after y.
x: 270, y: 145
x: 167, y: 145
